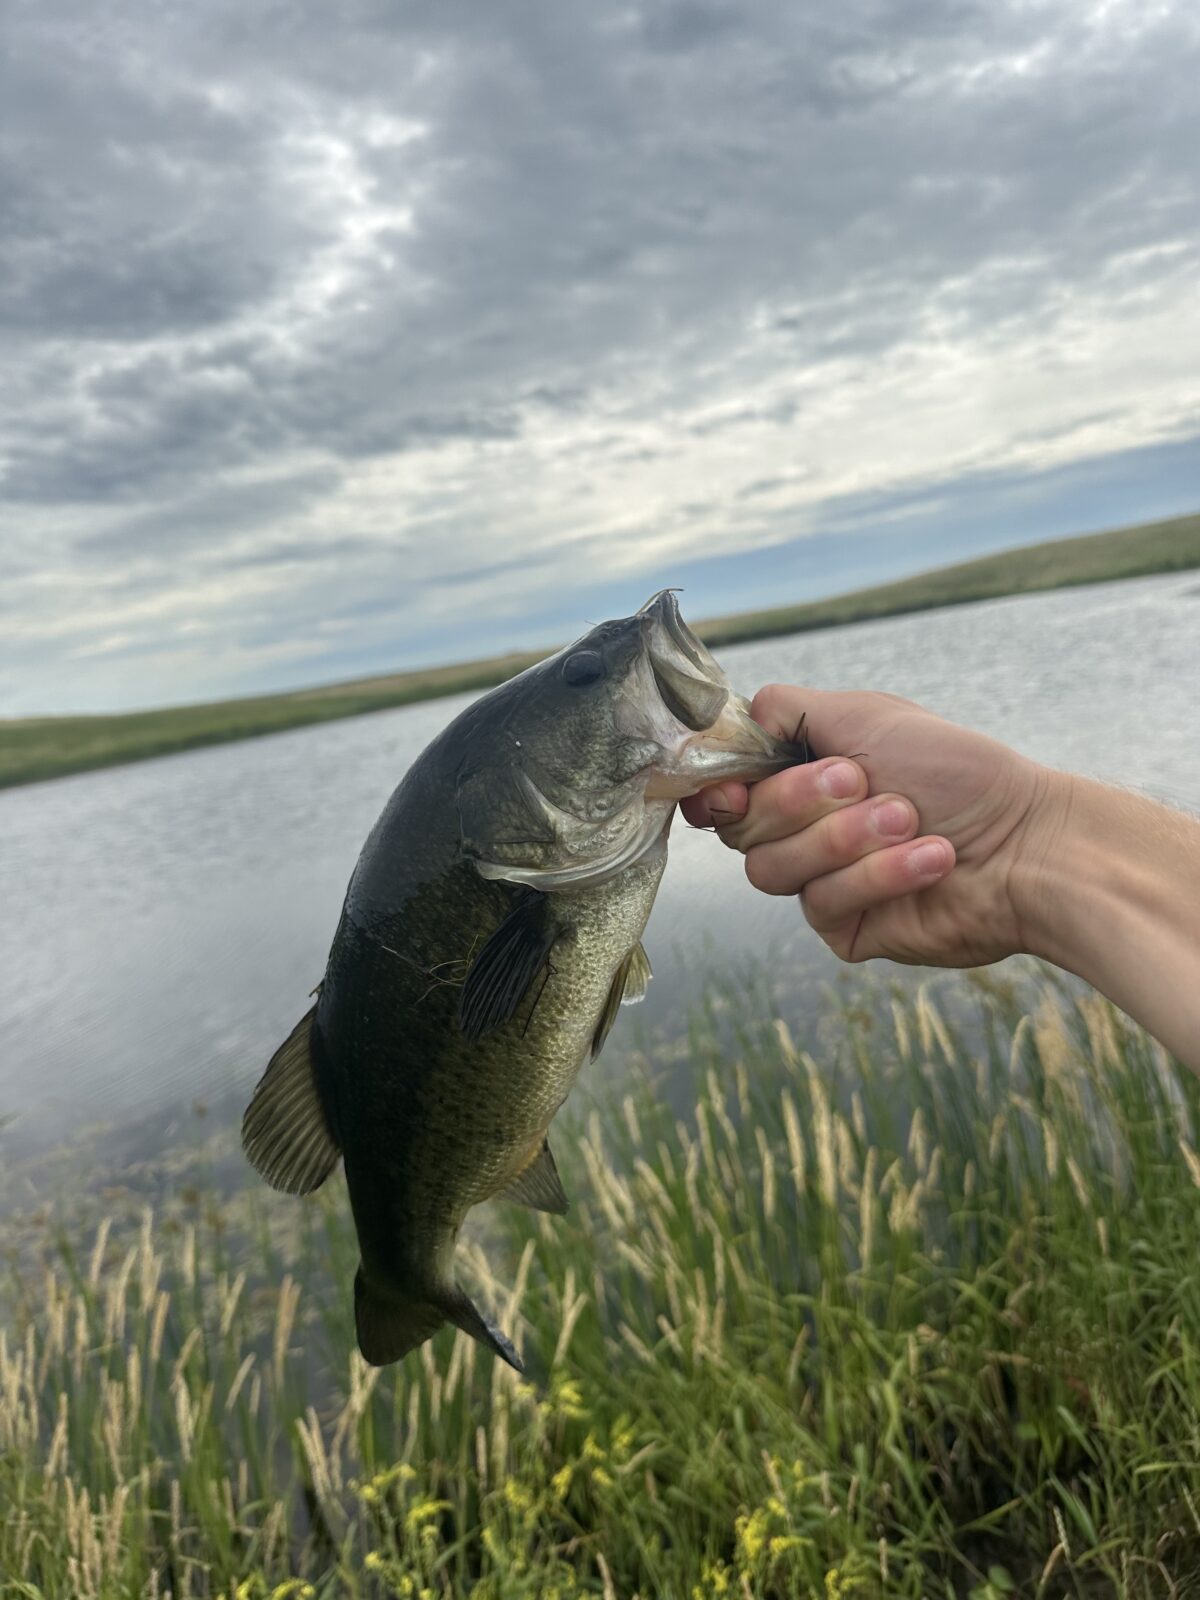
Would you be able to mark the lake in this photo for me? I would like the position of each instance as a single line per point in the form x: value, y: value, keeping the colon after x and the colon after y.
x: 164, y: 923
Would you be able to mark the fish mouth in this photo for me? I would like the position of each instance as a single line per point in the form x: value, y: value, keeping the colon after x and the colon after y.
x: 707, y: 732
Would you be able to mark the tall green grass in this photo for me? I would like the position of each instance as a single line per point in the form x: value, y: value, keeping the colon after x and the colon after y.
x: 918, y: 1318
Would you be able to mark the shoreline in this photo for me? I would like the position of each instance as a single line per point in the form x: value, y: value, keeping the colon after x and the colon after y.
x: 37, y: 749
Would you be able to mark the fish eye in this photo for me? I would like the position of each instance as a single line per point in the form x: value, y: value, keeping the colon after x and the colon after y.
x: 584, y: 666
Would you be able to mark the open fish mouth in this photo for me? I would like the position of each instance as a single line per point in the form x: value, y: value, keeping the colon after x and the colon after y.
x: 632, y: 718
x: 702, y: 727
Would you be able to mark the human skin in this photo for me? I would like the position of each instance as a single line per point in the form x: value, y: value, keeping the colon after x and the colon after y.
x: 928, y: 843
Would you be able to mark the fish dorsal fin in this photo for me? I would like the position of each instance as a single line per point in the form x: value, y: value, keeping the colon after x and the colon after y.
x: 538, y: 1185
x: 285, y: 1132
x: 504, y: 969
x: 628, y: 987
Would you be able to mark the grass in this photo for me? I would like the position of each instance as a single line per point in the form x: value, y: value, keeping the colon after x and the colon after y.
x: 46, y: 747
x: 1151, y: 547
x: 919, y: 1318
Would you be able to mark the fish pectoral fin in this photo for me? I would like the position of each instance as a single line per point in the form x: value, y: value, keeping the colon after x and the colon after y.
x: 467, y: 1316
x: 285, y: 1132
x: 389, y: 1327
x: 538, y: 1185
x: 628, y: 987
x: 504, y: 969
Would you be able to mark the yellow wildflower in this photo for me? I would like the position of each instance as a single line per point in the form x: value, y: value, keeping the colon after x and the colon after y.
x: 424, y: 1511
x: 837, y: 1586
x: 382, y: 1481
x: 561, y: 1481
x: 604, y: 1479
x: 751, y: 1531
x: 714, y: 1581
x: 783, y: 1542
x: 569, y: 1400
x: 593, y: 1451
x: 374, y: 1561
x: 517, y: 1495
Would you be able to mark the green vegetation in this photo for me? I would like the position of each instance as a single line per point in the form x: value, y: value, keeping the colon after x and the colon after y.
x: 34, y: 748
x: 48, y: 747
x: 917, y: 1319
x: 1172, y: 546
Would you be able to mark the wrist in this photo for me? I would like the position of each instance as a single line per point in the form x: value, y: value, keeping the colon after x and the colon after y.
x: 1042, y: 874
x: 1109, y: 889
x: 1081, y: 874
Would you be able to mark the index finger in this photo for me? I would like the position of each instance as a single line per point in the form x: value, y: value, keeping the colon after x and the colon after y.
x: 832, y: 720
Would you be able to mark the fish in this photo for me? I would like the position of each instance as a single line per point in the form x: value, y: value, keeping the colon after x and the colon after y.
x: 490, y: 932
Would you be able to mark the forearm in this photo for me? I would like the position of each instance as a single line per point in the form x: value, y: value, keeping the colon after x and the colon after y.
x: 1113, y: 895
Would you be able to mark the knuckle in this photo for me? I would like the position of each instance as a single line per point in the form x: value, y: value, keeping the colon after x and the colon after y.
x: 843, y: 831
x: 770, y: 701
x: 811, y: 901
x: 841, y: 945
x: 761, y: 871
x: 732, y: 836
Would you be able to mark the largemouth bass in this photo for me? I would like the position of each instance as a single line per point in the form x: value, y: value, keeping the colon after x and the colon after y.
x: 491, y: 929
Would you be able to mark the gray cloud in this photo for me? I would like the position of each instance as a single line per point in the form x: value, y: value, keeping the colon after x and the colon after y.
x: 335, y: 300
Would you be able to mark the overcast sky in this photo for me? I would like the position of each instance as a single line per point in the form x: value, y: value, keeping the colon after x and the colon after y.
x: 341, y: 338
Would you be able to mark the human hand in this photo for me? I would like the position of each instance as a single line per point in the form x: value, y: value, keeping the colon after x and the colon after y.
x: 921, y: 841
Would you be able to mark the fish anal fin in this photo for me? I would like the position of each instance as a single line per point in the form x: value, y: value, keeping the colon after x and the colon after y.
x: 388, y: 1327
x: 538, y: 1185
x: 285, y: 1132
x: 627, y: 988
x: 504, y: 970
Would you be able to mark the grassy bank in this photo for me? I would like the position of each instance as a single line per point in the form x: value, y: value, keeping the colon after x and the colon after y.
x: 1171, y: 546
x: 47, y: 747
x: 910, y: 1320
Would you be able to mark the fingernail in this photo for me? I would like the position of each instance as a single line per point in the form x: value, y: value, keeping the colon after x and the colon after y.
x: 891, y: 817
x: 718, y: 800
x: 928, y: 860
x: 840, y: 780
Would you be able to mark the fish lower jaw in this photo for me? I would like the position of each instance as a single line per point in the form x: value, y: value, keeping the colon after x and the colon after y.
x: 734, y: 747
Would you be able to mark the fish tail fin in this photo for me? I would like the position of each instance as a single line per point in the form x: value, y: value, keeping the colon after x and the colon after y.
x: 389, y: 1326
x: 464, y: 1314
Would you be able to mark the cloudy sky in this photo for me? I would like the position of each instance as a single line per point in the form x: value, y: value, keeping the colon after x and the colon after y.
x: 342, y: 338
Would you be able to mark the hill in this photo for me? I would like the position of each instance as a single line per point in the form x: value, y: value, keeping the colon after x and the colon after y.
x: 35, y: 748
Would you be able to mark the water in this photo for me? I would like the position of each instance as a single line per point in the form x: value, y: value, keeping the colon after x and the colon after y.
x: 164, y: 923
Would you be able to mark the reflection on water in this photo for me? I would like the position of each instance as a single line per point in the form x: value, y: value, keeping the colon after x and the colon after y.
x: 164, y: 923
